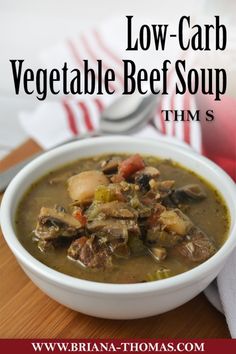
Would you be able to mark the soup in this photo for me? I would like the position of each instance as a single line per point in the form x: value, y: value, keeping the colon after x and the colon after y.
x: 122, y: 219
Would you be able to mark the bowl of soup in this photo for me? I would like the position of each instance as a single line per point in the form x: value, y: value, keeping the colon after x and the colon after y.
x: 120, y: 227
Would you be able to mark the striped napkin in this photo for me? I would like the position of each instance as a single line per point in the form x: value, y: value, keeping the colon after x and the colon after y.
x: 69, y: 116
x: 54, y: 122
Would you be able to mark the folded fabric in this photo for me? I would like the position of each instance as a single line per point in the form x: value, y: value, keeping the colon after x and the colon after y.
x: 54, y: 122
x: 222, y: 293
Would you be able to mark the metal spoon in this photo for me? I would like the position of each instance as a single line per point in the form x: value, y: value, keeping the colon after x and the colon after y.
x: 114, y: 123
x: 125, y: 115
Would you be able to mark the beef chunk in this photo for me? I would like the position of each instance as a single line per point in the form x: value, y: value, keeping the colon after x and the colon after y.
x: 91, y: 252
x: 197, y: 248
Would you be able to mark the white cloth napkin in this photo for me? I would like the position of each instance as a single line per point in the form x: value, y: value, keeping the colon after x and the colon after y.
x: 222, y: 293
x: 56, y: 121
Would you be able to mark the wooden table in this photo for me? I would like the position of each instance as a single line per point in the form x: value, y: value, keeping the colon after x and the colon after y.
x: 26, y: 312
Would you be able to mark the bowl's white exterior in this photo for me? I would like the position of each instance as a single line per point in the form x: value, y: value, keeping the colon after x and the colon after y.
x: 117, y: 301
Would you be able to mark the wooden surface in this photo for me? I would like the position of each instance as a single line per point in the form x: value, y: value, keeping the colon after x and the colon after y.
x: 25, y: 312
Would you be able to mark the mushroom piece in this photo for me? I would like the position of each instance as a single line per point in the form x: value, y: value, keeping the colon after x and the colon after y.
x: 53, y: 223
x: 110, y: 166
x: 82, y: 186
x: 143, y: 177
x: 166, y: 186
x: 190, y: 192
x: 151, y: 171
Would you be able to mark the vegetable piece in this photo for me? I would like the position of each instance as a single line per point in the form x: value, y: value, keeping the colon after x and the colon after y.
x: 161, y: 273
x: 158, y: 253
x: 104, y: 194
x: 136, y: 245
x: 121, y: 251
x: 82, y: 186
x: 142, y: 210
x: 78, y: 214
x: 135, y: 202
x: 131, y: 165
x: 175, y: 221
x: 92, y: 211
x: 161, y: 238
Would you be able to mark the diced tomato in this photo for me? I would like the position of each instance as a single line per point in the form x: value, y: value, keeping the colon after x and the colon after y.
x: 132, y: 164
x: 78, y: 214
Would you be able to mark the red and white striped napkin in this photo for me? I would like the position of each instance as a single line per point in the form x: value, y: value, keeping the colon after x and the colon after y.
x: 54, y: 122
x: 70, y: 116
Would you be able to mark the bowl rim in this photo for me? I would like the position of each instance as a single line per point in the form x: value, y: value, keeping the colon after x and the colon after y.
x: 81, y: 285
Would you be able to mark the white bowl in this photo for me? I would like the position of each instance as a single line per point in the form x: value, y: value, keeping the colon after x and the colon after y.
x: 117, y: 301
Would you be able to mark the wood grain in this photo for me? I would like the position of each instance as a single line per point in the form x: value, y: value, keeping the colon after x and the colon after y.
x: 27, y: 149
x: 26, y: 312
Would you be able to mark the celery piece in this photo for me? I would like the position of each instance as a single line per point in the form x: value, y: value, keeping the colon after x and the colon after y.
x: 104, y: 194
x: 161, y: 273
x: 136, y: 245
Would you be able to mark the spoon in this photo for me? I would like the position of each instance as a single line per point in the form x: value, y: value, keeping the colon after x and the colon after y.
x: 139, y: 110
x: 126, y: 114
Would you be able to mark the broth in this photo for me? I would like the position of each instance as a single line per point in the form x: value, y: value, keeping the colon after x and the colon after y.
x: 208, y: 214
